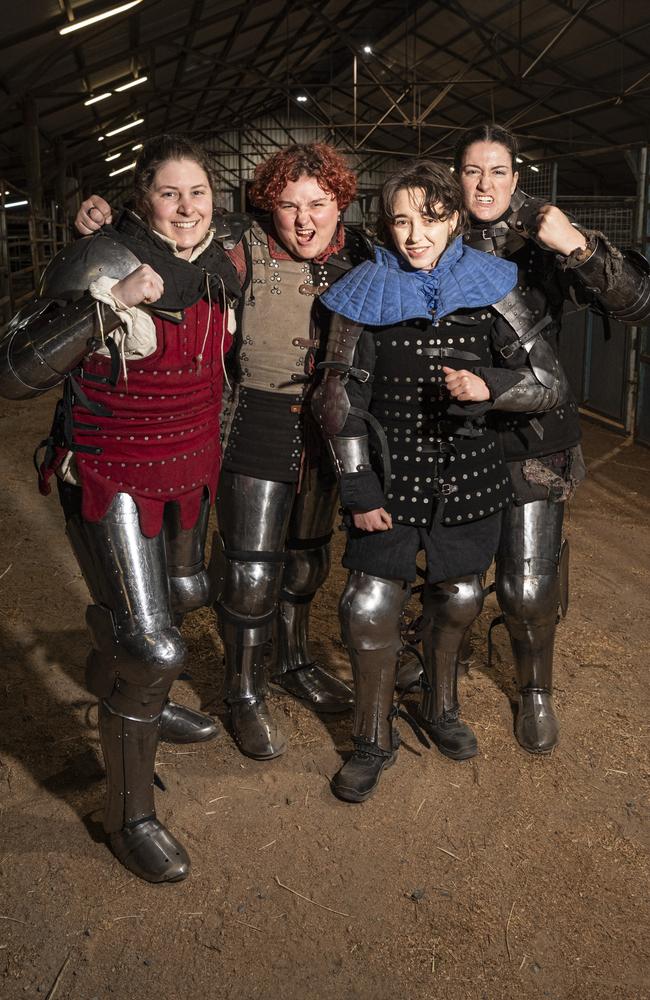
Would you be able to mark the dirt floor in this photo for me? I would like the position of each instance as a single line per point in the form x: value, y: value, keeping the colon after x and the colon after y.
x: 504, y: 877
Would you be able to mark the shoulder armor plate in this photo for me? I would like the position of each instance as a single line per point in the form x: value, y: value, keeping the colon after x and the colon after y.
x: 69, y: 274
x: 230, y: 227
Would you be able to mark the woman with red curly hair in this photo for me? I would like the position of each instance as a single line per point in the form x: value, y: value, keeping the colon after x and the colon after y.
x: 324, y: 185
x: 278, y: 495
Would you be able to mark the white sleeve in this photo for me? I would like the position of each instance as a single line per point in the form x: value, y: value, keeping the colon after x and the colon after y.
x: 136, y: 338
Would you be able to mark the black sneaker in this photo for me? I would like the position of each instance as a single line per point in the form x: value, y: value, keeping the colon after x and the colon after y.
x: 358, y: 778
x: 452, y: 736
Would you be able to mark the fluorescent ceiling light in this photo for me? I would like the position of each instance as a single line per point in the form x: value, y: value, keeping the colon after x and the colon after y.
x: 113, y: 156
x: 518, y: 159
x: 123, y: 128
x: 132, y: 83
x: 138, y: 146
x: 302, y: 98
x: 99, y: 97
x: 121, y: 170
x: 75, y: 25
x: 536, y: 169
x: 15, y: 204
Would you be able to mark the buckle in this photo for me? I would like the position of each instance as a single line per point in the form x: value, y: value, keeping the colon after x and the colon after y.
x: 446, y: 489
x: 509, y: 349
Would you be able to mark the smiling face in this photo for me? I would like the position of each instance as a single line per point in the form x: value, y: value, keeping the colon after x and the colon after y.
x: 487, y: 180
x: 419, y: 237
x: 179, y: 204
x: 305, y: 218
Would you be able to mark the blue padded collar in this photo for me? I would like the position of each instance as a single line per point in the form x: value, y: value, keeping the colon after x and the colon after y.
x: 387, y: 290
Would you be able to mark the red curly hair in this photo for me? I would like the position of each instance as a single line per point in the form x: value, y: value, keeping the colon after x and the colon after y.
x: 313, y: 159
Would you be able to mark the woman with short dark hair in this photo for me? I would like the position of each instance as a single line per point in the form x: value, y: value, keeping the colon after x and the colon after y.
x: 411, y: 355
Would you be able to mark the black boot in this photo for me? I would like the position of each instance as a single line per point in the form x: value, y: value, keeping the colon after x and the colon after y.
x: 358, y: 778
x: 452, y: 736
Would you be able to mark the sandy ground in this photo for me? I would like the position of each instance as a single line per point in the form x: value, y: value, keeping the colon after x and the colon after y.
x: 504, y: 877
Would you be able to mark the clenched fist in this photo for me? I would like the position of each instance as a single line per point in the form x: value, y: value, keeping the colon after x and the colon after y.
x: 555, y: 231
x: 465, y: 386
x: 373, y: 520
x: 93, y: 214
x: 142, y: 286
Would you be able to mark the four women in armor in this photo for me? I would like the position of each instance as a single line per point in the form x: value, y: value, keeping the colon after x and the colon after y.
x: 436, y: 358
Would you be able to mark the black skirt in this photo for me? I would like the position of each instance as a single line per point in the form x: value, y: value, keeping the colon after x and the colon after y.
x: 266, y: 436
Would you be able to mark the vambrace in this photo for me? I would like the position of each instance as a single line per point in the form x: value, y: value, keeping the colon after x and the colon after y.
x: 332, y: 409
x: 351, y: 454
x: 620, y: 279
x: 46, y: 340
x: 530, y: 396
x: 359, y: 483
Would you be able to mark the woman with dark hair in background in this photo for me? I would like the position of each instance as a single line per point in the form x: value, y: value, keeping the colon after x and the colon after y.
x: 139, y: 347
x: 555, y: 260
x: 411, y: 354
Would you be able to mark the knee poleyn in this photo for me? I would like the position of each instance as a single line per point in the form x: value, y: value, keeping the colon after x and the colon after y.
x: 369, y: 611
x: 530, y: 599
x: 454, y: 605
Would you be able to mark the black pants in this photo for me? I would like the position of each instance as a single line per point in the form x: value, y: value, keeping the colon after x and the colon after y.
x: 451, y: 551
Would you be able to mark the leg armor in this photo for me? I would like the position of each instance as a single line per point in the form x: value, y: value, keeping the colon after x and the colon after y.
x: 370, y: 610
x: 532, y: 569
x: 137, y: 653
x: 188, y: 578
x: 306, y: 569
x: 448, y: 610
x: 248, y: 559
x: 190, y: 589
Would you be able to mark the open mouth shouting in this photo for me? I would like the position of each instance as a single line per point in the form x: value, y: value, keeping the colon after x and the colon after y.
x: 304, y: 236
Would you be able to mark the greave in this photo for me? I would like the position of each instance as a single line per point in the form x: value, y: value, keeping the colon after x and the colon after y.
x: 532, y: 573
x: 291, y: 638
x: 370, y: 610
x: 255, y: 730
x: 374, y: 674
x: 129, y: 747
x: 293, y: 667
x: 448, y: 610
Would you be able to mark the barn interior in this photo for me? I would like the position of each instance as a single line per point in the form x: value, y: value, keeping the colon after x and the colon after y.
x: 507, y: 877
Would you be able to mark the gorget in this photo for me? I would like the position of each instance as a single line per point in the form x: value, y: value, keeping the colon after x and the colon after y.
x: 185, y: 282
x: 388, y: 291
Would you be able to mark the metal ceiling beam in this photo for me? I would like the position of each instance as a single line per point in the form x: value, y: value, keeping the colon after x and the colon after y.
x: 195, y: 16
x: 556, y: 38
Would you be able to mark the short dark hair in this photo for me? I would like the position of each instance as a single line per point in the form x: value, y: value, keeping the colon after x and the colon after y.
x: 487, y: 132
x: 154, y: 154
x: 439, y: 185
